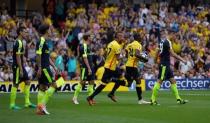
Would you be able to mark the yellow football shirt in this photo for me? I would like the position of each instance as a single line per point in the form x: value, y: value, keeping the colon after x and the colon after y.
x: 113, y: 49
x: 131, y: 49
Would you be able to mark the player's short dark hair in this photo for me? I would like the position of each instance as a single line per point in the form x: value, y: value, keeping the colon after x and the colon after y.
x: 85, y: 37
x: 118, y: 33
x: 20, y: 29
x: 43, y: 29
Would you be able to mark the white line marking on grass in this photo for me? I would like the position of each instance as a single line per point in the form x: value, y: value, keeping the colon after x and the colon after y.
x: 195, y: 94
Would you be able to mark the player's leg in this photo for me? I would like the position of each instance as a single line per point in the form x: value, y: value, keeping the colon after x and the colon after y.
x: 16, y: 77
x: 90, y: 79
x: 47, y: 75
x: 117, y: 83
x: 54, y: 84
x: 136, y: 76
x: 28, y: 103
x: 42, y: 106
x: 161, y: 77
x: 13, y: 97
x: 50, y: 91
x: 111, y: 94
x: 41, y: 92
x: 90, y: 87
x: 118, y: 80
x: 105, y: 79
x: 155, y: 91
x: 43, y: 86
x: 176, y: 92
x: 139, y: 93
x: 79, y: 86
x: 27, y: 90
x: 90, y: 90
x: 174, y: 89
x: 78, y: 89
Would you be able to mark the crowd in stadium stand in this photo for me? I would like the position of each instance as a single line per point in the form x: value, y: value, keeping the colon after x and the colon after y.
x: 188, y: 29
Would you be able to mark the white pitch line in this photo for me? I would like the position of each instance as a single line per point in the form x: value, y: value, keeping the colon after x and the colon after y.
x: 195, y: 94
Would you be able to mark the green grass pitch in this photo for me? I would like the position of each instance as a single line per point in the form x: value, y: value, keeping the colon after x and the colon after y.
x: 126, y: 110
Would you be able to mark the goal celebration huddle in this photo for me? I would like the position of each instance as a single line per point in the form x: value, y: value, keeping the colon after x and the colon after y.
x: 120, y: 65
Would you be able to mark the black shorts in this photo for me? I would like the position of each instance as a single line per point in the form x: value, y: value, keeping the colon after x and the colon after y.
x: 16, y: 75
x: 131, y: 74
x: 165, y: 72
x: 46, y: 77
x: 108, y: 74
x: 85, y: 76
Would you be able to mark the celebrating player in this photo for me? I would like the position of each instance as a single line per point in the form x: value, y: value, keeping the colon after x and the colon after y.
x: 133, y: 51
x: 111, y: 62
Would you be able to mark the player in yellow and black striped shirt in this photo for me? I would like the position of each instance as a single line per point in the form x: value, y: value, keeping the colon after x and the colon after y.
x: 113, y: 55
x: 133, y: 51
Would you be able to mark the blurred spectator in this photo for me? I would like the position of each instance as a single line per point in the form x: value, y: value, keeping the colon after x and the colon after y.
x: 149, y: 75
x: 2, y: 45
x: 30, y: 70
x: 178, y: 75
x: 8, y: 58
x: 32, y: 51
x: 2, y: 63
x: 185, y: 67
x: 59, y: 62
x: 207, y: 63
x: 6, y: 74
x: 71, y: 65
x: 59, y: 10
